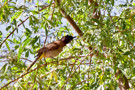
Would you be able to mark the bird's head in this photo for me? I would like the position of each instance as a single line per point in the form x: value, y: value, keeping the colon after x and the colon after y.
x: 66, y: 39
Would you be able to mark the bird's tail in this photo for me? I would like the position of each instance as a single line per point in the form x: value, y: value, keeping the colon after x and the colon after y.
x: 32, y: 64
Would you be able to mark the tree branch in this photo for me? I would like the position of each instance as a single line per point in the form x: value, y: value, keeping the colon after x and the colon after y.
x: 19, y: 25
x: 13, y: 31
x: 122, y: 80
x: 75, y: 70
x: 122, y: 86
x: 4, y: 4
x: 79, y: 83
x: 96, y: 15
x: 36, y: 69
x: 70, y: 20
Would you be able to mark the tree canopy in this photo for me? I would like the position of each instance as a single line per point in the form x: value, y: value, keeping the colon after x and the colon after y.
x: 101, y: 57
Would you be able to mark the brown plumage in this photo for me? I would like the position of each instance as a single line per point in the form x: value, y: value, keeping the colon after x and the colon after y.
x: 52, y: 49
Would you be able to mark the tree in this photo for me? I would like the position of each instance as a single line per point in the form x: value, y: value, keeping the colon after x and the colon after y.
x: 101, y: 57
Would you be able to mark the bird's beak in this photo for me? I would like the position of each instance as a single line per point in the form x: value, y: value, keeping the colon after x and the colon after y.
x: 74, y: 37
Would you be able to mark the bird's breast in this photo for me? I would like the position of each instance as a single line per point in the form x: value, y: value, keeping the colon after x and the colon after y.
x: 53, y: 53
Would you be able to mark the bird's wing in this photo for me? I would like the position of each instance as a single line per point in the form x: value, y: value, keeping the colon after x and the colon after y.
x: 53, y: 46
x: 49, y: 47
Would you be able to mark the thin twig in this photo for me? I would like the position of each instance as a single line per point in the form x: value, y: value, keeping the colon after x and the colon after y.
x: 75, y: 70
x: 72, y: 73
x: 78, y: 84
x: 49, y: 72
x: 13, y: 58
x: 23, y: 75
x: 73, y: 65
x: 48, y: 26
x: 77, y: 29
x: 90, y: 64
x: 26, y: 59
x: 52, y: 12
x: 4, y: 4
x: 45, y: 7
x: 34, y: 80
x: 43, y: 66
x: 4, y: 60
x: 13, y: 31
x: 132, y: 24
x: 19, y: 25
x: 45, y: 40
x: 131, y: 44
x: 32, y: 71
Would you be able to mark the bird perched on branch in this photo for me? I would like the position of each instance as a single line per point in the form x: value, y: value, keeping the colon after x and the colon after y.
x: 52, y: 49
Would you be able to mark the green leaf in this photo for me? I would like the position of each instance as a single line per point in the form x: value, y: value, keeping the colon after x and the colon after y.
x: 35, y: 20
x: 133, y: 4
x: 27, y: 54
x: 35, y: 12
x: 28, y: 32
x: 96, y: 20
x: 26, y: 42
x: 128, y: 52
x: 7, y: 45
x: 17, y: 46
x: 112, y: 2
x: 14, y: 68
x: 4, y: 17
x: 113, y: 23
x: 14, y: 22
x: 23, y: 86
x: 16, y: 15
x: 6, y: 68
x: 16, y: 41
x: 10, y: 40
x: 30, y: 21
x: 50, y: 22
x: 20, y: 52
x: 3, y: 67
x: 34, y: 40
x: 86, y: 3
x: 8, y: 28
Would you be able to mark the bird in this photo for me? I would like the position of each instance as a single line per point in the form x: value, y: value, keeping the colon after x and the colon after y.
x: 52, y: 49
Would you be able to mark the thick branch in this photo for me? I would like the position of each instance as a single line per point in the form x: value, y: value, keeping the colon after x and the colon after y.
x: 96, y: 15
x: 70, y: 20
x: 122, y: 80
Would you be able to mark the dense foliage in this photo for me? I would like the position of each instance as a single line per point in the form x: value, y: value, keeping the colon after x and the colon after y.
x: 91, y: 61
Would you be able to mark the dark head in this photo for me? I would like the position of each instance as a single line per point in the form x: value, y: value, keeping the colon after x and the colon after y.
x: 66, y: 39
